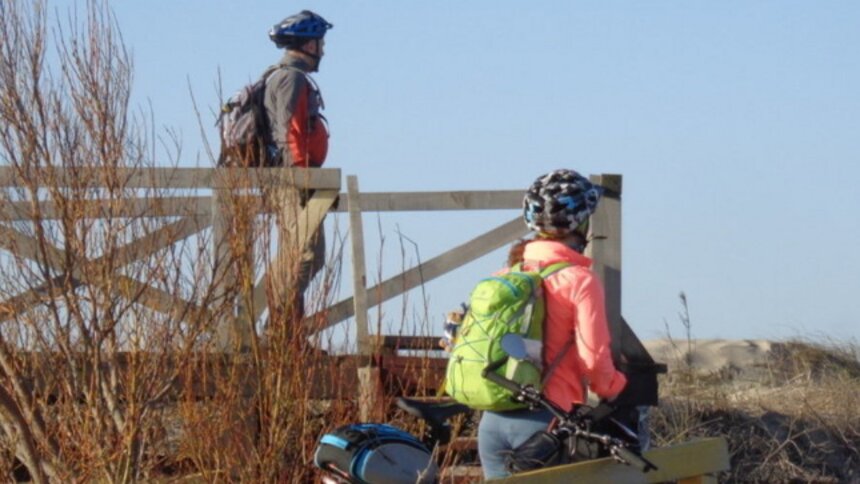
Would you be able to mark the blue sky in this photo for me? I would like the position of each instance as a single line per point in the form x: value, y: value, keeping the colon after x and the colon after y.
x: 736, y: 126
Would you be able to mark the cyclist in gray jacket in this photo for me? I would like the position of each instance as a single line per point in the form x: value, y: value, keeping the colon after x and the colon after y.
x: 299, y: 137
x: 293, y: 101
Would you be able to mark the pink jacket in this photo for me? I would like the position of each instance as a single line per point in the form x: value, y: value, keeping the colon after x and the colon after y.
x: 575, y: 305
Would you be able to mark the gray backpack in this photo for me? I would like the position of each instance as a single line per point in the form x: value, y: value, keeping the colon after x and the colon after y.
x: 244, y: 126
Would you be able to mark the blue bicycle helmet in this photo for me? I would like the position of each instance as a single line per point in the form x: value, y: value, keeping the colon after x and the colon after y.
x: 559, y: 203
x: 297, y: 29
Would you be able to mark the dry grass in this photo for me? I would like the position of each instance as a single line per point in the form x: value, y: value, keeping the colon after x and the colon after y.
x: 796, y: 422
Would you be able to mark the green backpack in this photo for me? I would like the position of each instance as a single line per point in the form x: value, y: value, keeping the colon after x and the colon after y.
x: 509, y: 303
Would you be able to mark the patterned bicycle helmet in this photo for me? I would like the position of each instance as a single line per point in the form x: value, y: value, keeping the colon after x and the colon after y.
x: 299, y: 28
x: 560, y: 202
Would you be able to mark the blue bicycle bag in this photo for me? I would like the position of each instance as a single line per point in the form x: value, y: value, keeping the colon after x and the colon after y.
x: 372, y: 453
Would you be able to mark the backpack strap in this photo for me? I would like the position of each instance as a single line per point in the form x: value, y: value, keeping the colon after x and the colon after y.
x: 552, y: 269
x: 546, y: 272
x: 314, y: 86
x: 558, y: 358
x: 259, y: 105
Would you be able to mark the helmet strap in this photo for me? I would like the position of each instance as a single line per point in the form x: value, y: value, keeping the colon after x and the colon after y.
x: 577, y: 243
x: 316, y: 57
x: 580, y: 242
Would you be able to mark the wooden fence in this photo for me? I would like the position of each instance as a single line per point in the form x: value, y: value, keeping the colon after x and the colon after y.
x: 199, y: 198
x: 196, y: 199
x: 182, y: 201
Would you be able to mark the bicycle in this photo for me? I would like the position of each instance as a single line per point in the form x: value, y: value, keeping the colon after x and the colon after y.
x: 410, y: 459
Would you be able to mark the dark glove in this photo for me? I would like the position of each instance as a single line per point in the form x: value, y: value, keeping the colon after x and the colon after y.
x: 542, y: 449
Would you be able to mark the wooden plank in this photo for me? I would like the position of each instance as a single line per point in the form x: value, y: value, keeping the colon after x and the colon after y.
x: 28, y: 247
x: 605, y: 250
x: 421, y: 201
x: 371, y: 396
x: 142, y: 207
x: 397, y: 342
x: 201, y: 205
x: 690, y: 459
x: 19, y: 303
x: 127, y: 287
x: 154, y: 241
x: 439, y: 265
x: 706, y: 479
x: 359, y: 269
x: 319, y: 178
x: 230, y: 332
x: 158, y: 299
x: 418, y: 374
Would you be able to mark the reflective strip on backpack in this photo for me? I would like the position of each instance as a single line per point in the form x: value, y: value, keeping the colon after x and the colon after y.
x: 334, y: 441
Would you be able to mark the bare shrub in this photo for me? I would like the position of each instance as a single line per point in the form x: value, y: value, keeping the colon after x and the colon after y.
x: 120, y: 353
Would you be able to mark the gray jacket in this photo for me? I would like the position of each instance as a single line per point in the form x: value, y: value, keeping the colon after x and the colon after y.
x: 293, y: 104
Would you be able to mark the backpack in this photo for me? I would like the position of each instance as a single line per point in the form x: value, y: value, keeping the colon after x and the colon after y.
x: 508, y: 303
x: 369, y: 452
x: 244, y: 126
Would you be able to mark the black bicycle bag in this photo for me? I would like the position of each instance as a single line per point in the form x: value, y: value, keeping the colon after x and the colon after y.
x: 375, y: 453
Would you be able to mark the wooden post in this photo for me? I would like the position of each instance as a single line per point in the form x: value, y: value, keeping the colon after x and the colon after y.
x: 232, y: 335
x: 246, y: 316
x: 628, y: 353
x: 359, y: 269
x: 605, y: 250
x: 233, y: 332
x: 370, y: 397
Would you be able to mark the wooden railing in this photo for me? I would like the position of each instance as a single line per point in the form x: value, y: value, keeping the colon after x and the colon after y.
x: 197, y: 211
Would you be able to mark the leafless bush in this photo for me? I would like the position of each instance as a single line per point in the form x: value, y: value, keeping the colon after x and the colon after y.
x: 119, y: 358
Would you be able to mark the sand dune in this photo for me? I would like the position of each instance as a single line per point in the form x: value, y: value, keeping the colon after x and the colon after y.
x: 711, y: 355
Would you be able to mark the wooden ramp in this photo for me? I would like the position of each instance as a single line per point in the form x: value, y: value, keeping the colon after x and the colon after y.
x: 696, y: 461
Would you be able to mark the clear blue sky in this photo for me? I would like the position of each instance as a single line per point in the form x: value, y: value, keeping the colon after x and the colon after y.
x: 735, y: 124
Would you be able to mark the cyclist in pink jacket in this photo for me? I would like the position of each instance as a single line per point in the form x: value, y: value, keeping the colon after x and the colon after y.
x: 557, y: 208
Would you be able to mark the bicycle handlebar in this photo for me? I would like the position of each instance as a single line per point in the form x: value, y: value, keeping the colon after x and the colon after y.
x: 490, y: 374
x: 522, y: 393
